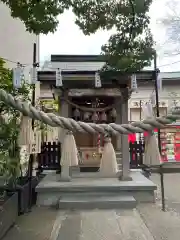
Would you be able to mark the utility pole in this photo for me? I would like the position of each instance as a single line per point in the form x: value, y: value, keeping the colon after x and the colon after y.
x: 140, y: 113
x: 156, y: 70
x: 32, y: 156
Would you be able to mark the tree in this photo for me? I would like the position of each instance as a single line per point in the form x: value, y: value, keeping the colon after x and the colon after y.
x: 126, y: 49
x: 131, y: 48
x: 171, y: 22
x: 10, y: 124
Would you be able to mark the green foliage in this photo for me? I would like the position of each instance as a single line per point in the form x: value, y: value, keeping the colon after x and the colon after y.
x: 10, y: 124
x: 131, y: 48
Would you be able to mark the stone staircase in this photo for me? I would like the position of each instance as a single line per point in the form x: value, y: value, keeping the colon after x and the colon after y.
x: 91, y: 191
x: 90, y: 199
x: 85, y: 201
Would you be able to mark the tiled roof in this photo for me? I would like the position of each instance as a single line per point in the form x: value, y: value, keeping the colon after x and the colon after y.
x: 74, y: 66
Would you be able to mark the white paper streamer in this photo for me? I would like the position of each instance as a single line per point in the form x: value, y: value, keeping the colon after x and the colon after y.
x: 159, y: 82
x: 33, y: 75
x: 98, y: 83
x: 17, y: 75
x: 58, y: 78
x: 133, y: 82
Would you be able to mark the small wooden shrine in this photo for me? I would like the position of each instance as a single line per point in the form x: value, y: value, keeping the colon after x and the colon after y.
x: 81, y: 99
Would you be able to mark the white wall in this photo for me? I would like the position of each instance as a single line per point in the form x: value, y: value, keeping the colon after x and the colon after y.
x: 167, y: 95
x: 16, y: 43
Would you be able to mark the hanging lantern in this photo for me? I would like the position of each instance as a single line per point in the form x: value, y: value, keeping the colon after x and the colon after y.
x: 77, y: 113
x: 103, y: 117
x: 113, y: 113
x: 95, y: 117
x: 86, y: 116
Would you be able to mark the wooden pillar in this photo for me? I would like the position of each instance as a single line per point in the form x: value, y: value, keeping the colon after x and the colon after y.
x: 124, y: 138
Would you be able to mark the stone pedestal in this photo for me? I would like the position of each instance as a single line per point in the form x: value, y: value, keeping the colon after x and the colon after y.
x: 65, y: 174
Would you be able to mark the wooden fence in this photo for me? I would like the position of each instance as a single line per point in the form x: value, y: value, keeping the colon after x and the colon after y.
x: 49, y: 158
x: 136, y: 151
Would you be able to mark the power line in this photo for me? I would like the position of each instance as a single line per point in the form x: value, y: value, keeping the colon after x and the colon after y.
x: 168, y: 64
x: 30, y: 64
x: 16, y: 62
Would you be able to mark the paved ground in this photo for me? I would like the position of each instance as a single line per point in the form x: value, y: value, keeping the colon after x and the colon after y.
x: 147, y: 222
x: 36, y: 225
x: 172, y: 191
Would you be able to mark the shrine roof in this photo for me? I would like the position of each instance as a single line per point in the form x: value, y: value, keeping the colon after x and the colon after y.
x: 81, y: 79
x: 78, y: 58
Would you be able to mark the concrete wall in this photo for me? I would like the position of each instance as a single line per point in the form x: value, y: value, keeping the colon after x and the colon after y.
x: 170, y: 93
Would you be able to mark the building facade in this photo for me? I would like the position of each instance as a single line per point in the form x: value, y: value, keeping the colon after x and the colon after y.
x: 169, y: 95
x: 16, y: 44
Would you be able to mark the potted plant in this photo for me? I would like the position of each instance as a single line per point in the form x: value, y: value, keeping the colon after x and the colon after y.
x: 10, y: 124
x: 8, y: 199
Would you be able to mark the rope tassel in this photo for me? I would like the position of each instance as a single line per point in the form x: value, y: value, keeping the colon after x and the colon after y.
x: 69, y: 156
x: 108, y: 166
x: 151, y: 154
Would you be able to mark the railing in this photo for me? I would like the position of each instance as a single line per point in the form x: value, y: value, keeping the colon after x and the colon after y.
x: 49, y: 158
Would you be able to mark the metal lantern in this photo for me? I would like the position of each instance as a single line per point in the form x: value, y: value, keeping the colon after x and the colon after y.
x: 95, y: 117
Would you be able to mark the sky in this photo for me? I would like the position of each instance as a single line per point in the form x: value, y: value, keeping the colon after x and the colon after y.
x: 69, y: 39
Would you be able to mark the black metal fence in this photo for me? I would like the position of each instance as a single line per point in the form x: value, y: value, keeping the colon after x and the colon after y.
x: 49, y: 158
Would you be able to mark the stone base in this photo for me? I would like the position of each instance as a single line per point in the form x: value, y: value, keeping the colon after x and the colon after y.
x: 125, y: 178
x: 65, y: 179
x: 50, y: 190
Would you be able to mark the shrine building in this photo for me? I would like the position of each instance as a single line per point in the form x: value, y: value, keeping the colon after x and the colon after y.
x: 80, y: 99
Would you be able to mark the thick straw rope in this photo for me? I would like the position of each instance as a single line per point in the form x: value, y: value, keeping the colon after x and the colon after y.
x: 92, y: 128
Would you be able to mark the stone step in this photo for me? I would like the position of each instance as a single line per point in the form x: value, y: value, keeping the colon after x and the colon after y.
x: 97, y: 202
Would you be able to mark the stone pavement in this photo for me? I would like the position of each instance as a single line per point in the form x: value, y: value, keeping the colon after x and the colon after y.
x: 36, y: 225
x: 147, y: 222
x: 172, y: 190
